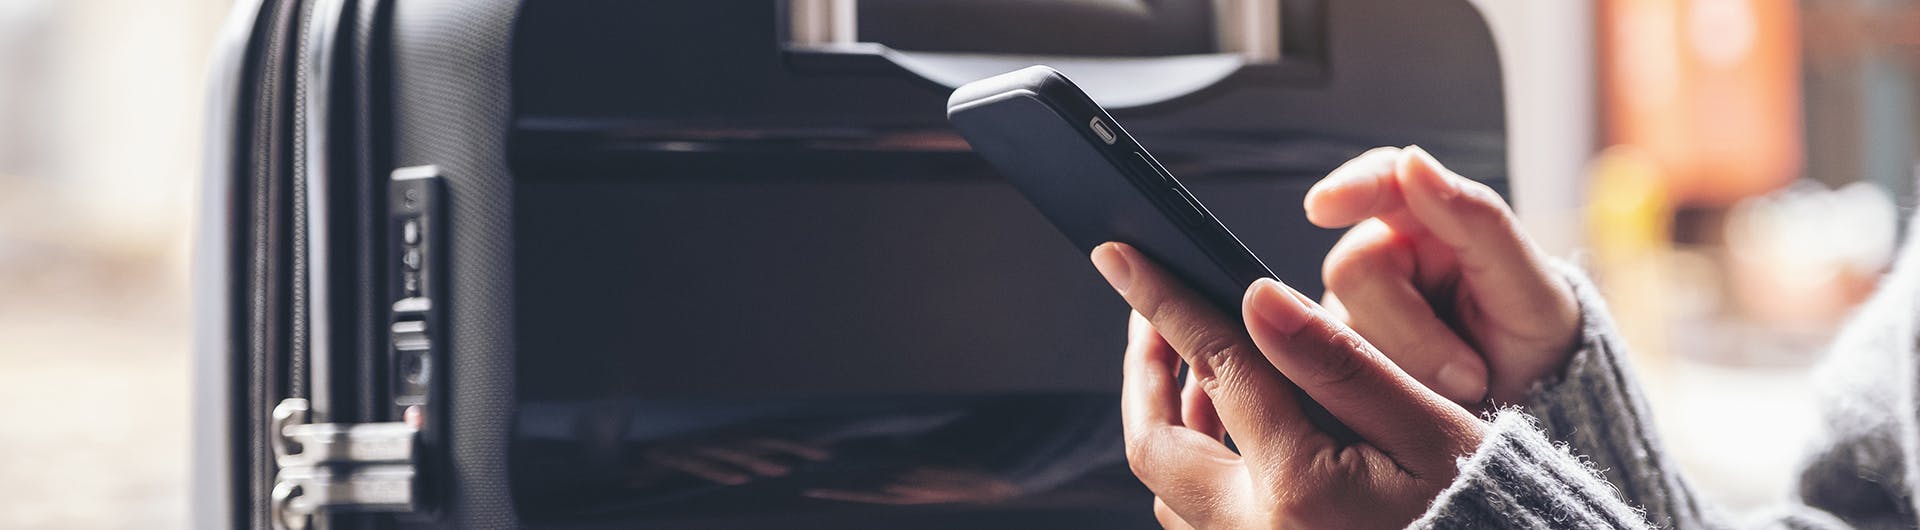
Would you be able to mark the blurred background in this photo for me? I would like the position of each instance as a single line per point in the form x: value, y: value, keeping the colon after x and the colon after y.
x: 100, y: 118
x: 1736, y: 173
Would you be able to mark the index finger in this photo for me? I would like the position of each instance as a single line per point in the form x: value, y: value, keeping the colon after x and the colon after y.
x: 1359, y: 189
x: 1193, y: 472
x: 1420, y: 198
x: 1256, y: 404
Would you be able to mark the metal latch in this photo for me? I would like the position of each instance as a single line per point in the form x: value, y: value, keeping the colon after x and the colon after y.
x: 364, y: 467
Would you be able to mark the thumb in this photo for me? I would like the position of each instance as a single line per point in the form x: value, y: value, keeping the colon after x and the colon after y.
x: 1421, y: 430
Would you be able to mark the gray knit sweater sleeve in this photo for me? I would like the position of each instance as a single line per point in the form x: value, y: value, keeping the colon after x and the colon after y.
x: 1517, y: 479
x: 1859, y: 474
x: 1524, y: 476
x: 1596, y: 408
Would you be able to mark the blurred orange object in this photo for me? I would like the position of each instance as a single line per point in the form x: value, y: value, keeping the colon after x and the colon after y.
x: 1709, y: 88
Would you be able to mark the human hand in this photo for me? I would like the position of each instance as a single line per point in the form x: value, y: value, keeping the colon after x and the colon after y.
x: 1288, y: 473
x: 1439, y: 275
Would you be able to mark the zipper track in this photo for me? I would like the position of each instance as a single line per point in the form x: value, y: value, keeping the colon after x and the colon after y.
x: 331, y: 225
x: 300, y: 330
x: 286, y: 128
x: 262, y: 386
x: 264, y: 339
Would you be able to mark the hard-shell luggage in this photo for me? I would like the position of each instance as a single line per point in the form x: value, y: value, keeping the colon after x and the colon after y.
x: 722, y: 264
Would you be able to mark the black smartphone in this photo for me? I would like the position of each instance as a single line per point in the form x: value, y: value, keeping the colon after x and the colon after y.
x: 1095, y: 183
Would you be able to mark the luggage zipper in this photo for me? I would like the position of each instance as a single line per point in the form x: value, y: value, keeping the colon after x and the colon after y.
x: 340, y: 467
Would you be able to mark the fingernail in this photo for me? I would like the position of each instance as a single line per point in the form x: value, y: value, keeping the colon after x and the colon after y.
x: 1462, y: 381
x: 1113, y: 266
x: 1438, y: 175
x: 1277, y: 307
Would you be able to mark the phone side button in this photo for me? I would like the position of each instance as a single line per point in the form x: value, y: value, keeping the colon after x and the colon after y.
x: 1195, y: 213
x: 1154, y: 169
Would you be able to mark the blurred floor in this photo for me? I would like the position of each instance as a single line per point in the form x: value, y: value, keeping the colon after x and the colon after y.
x: 93, y: 391
x: 100, y: 106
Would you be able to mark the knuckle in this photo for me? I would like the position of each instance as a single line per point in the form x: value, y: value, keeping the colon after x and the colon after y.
x: 1216, y: 352
x: 1478, y: 200
x: 1344, y: 361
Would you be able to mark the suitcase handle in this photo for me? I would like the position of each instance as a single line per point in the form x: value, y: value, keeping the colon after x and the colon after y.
x: 1272, y: 39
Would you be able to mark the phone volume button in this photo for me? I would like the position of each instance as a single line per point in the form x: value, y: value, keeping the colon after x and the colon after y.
x: 1155, y: 169
x: 1195, y: 213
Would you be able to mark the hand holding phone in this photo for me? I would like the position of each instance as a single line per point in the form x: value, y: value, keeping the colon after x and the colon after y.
x: 1265, y: 356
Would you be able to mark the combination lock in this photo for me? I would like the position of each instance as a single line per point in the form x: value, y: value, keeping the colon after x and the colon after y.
x: 416, y: 269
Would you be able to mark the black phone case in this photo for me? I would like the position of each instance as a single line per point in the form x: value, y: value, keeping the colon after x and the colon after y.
x: 1095, y: 183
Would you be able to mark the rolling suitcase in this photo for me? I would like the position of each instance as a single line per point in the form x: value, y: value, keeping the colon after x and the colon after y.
x: 699, y: 264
